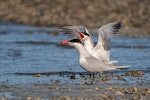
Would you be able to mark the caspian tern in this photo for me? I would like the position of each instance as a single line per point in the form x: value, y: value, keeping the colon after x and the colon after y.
x: 102, y: 49
x: 87, y: 61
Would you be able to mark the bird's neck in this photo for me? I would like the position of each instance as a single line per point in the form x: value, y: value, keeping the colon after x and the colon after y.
x: 101, y: 39
x: 89, y: 44
x: 82, y: 51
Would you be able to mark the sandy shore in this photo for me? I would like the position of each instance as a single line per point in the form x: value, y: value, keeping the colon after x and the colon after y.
x: 97, y: 88
x: 76, y: 92
x: 93, y: 14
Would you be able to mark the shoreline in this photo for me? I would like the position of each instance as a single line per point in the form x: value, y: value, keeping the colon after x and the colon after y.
x: 123, y: 32
x: 90, y: 14
x: 69, y: 92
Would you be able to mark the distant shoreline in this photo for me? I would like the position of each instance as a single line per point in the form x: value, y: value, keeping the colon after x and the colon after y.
x: 135, y: 33
x: 134, y: 14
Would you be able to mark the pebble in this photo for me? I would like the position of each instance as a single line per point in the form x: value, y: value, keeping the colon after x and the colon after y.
x: 96, y: 88
x: 135, y: 89
x: 148, y: 90
x: 73, y: 77
x: 57, y: 81
x: 109, y: 88
x: 69, y: 89
x: 65, y: 98
x: 29, y: 98
x: 134, y: 73
x: 57, y: 88
x: 38, y: 75
x: 118, y: 92
x: 120, y: 78
x: 105, y: 78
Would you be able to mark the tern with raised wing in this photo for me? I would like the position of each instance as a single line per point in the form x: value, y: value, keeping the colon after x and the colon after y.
x: 102, y: 49
x: 87, y: 61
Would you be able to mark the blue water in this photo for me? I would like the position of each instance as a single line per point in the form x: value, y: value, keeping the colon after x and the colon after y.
x: 28, y: 49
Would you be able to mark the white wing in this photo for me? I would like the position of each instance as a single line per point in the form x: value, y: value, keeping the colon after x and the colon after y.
x: 106, y: 32
x: 102, y: 49
x: 110, y: 29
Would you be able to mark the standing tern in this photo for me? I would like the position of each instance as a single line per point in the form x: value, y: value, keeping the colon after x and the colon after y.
x: 102, y: 49
x: 87, y: 61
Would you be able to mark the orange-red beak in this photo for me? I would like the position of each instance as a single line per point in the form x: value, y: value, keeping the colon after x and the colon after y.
x: 64, y: 42
x: 81, y: 35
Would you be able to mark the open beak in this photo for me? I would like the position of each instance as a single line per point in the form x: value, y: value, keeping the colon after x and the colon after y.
x: 64, y: 42
x: 81, y: 35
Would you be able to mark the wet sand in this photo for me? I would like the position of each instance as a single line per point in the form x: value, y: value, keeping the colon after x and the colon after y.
x: 76, y: 92
x: 91, y: 89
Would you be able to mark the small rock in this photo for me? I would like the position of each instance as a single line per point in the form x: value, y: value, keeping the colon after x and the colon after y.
x: 144, y: 93
x: 120, y: 78
x: 105, y: 97
x: 134, y: 73
x: 135, y: 89
x: 119, y: 93
x: 139, y: 80
x: 65, y: 98
x: 148, y: 90
x: 105, y: 78
x: 109, y: 88
x: 57, y: 81
x: 38, y: 75
x: 57, y: 88
x: 73, y: 77
x: 96, y: 88
x: 29, y: 98
x: 69, y: 89
x: 127, y: 91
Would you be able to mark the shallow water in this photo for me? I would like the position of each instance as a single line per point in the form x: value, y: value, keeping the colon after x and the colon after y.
x: 26, y: 51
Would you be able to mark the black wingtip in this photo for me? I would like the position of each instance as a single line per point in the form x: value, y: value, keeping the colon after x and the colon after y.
x: 118, y: 25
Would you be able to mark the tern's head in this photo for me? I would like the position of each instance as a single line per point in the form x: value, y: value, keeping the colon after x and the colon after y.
x: 83, y: 35
x: 72, y: 42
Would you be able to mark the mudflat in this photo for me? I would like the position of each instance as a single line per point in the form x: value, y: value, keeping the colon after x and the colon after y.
x: 76, y: 92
